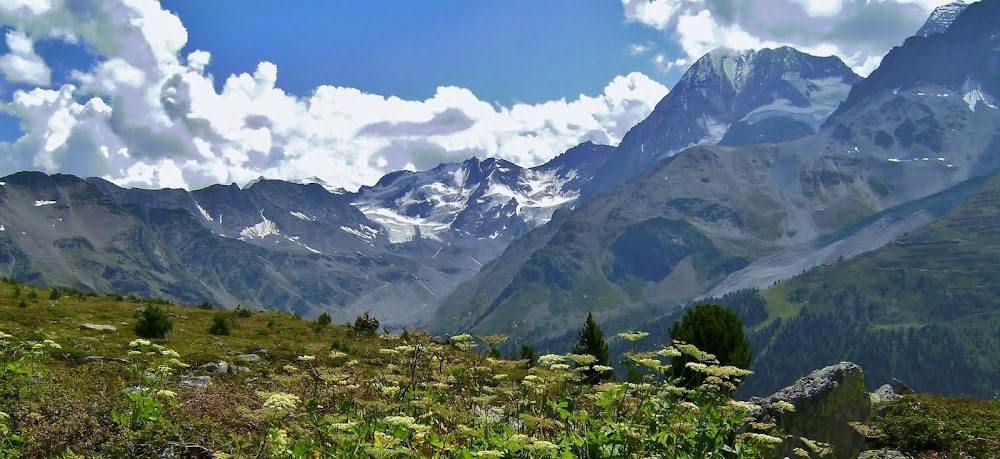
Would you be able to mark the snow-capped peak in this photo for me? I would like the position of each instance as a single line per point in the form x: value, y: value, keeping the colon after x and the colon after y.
x: 941, y: 18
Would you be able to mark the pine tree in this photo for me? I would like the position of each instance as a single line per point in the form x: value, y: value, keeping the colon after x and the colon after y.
x: 591, y: 341
x: 713, y: 329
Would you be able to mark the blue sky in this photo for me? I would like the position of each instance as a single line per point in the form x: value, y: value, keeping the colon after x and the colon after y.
x: 189, y: 93
x: 516, y: 50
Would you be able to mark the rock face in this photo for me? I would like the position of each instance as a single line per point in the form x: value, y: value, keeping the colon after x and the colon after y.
x: 98, y: 327
x: 826, y: 402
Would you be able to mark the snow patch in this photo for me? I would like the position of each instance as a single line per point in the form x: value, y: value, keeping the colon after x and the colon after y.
x: 2, y: 228
x: 302, y: 216
x: 204, y: 213
x: 260, y: 230
x: 44, y: 203
x: 974, y: 95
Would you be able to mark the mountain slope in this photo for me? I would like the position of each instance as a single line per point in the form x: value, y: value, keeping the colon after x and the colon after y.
x: 678, y: 231
x: 735, y: 98
x: 932, y: 294
x: 941, y: 18
x: 61, y: 230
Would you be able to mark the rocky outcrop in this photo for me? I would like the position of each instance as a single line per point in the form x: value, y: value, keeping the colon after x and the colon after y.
x: 824, y: 405
x: 98, y: 327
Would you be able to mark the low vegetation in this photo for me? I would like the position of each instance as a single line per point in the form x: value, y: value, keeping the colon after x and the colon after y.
x: 282, y: 387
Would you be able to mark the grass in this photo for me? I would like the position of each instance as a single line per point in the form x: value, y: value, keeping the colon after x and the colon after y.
x: 778, y: 304
x: 929, y: 426
x: 324, y: 392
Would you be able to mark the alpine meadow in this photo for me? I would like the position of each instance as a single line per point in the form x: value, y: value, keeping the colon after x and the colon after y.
x: 674, y: 229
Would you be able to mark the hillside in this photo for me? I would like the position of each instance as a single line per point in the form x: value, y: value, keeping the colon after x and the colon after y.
x: 924, y: 309
x: 713, y: 220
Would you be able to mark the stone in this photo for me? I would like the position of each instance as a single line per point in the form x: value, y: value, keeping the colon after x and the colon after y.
x: 98, y: 327
x: 196, y: 382
x: 888, y: 392
x: 248, y: 358
x: 826, y: 402
x: 101, y: 359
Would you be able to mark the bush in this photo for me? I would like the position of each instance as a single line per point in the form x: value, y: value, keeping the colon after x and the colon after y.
x: 528, y: 353
x: 366, y: 323
x: 32, y: 295
x: 220, y: 325
x: 54, y: 294
x: 206, y: 306
x: 242, y: 312
x: 323, y: 320
x: 21, y: 304
x: 153, y: 323
x: 713, y: 329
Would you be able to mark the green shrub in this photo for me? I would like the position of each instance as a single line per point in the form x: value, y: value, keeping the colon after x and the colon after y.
x: 32, y: 295
x: 153, y: 323
x: 22, y: 304
x: 206, y: 306
x: 366, y: 323
x: 242, y: 312
x: 529, y: 354
x: 221, y: 326
x: 323, y: 320
x: 54, y: 294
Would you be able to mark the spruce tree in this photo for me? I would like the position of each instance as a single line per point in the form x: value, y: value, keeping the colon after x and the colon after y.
x: 591, y: 341
x: 713, y: 329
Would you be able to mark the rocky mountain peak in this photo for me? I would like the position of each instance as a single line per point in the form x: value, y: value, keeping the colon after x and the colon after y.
x: 941, y: 18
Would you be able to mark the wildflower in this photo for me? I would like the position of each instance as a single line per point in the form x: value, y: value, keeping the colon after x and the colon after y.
x: 801, y: 452
x: 559, y: 367
x: 163, y: 393
x: 461, y: 338
x: 337, y: 354
x: 542, y: 446
x: 548, y: 360
x: 696, y: 366
x: 727, y: 371
x: 761, y: 438
x: 388, y: 351
x: 177, y: 363
x: 281, y: 404
x: 306, y: 358
x: 277, y: 442
x: 134, y: 352
x: 489, y: 453
x: 741, y: 405
x: 342, y: 426
x: 693, y: 351
x: 651, y: 363
x: 669, y: 351
x: 582, y: 359
x: 783, y: 406
x: 170, y: 353
x: 139, y: 342
x: 51, y: 344
x: 689, y: 406
x: 493, y: 340
x: 633, y: 336
x: 388, y: 337
x: 405, y: 349
x: 602, y: 368
x: 5, y: 336
x: 500, y: 377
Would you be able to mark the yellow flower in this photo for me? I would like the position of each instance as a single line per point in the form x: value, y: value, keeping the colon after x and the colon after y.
x: 633, y: 336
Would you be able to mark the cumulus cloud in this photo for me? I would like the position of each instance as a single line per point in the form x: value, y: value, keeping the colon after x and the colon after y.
x: 21, y: 64
x: 146, y: 115
x: 860, y: 32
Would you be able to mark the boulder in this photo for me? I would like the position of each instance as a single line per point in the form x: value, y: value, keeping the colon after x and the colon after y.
x: 826, y: 402
x: 101, y: 359
x: 248, y: 358
x: 98, y: 327
x: 889, y: 392
x: 196, y: 382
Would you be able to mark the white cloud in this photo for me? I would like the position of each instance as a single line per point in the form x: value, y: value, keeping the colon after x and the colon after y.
x: 21, y: 64
x: 860, y: 32
x: 154, y: 117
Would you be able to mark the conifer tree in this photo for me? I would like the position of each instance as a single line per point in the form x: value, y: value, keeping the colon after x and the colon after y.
x: 591, y: 341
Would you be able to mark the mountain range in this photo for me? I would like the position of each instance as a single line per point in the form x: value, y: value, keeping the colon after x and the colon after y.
x: 756, y: 167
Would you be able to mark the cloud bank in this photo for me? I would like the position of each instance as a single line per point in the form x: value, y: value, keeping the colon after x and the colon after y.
x: 146, y: 115
x: 860, y: 32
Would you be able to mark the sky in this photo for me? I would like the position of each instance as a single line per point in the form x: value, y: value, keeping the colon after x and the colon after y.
x: 184, y: 94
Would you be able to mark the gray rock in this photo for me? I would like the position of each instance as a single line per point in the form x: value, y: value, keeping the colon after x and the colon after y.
x: 248, y: 358
x: 883, y: 454
x: 439, y: 340
x: 826, y: 402
x: 196, y: 382
x: 220, y: 367
x: 98, y: 327
x: 100, y: 359
x: 889, y: 392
